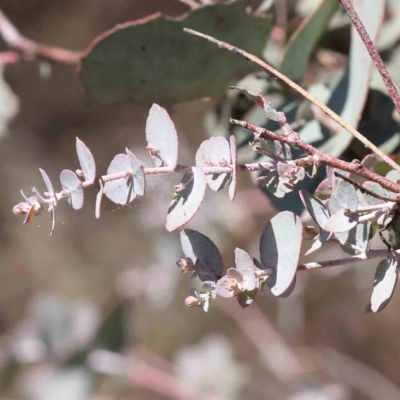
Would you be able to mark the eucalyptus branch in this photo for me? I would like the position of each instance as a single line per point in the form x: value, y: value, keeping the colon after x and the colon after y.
x: 303, y: 92
x: 319, y: 157
x: 373, y: 52
x: 32, y: 49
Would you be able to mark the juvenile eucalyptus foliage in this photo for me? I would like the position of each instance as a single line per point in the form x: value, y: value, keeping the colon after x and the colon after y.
x: 349, y: 207
x: 346, y: 208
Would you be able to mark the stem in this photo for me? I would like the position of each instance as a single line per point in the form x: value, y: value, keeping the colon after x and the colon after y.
x: 303, y: 92
x: 319, y: 157
x: 373, y: 52
x: 31, y: 48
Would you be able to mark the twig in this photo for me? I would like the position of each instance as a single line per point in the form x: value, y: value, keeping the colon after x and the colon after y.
x: 300, y: 90
x: 321, y: 158
x: 373, y: 52
x: 33, y: 49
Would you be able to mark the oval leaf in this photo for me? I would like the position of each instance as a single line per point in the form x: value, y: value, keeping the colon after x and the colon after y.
x: 315, y: 208
x: 280, y: 249
x: 346, y: 195
x: 234, y: 161
x: 86, y: 161
x: 69, y: 181
x: 185, y: 206
x: 161, y: 137
x: 384, y: 283
x: 139, y: 179
x: 341, y: 221
x: 214, y: 152
x: 48, y: 183
x: 198, y: 247
x: 243, y: 260
x: 124, y: 190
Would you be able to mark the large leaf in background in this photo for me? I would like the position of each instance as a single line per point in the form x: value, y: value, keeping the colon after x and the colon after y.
x: 304, y: 39
x: 153, y: 60
x: 280, y: 246
x: 384, y: 283
x: 359, y: 70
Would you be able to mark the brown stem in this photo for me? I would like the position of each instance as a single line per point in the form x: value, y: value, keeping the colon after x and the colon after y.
x: 373, y: 52
x: 321, y: 158
x: 300, y: 90
x: 31, y: 48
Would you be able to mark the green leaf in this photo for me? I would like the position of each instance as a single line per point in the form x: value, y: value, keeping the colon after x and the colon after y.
x: 153, y: 60
x: 304, y: 39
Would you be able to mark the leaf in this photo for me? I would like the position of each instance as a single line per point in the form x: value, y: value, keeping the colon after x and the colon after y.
x: 359, y: 74
x: 125, y: 190
x: 280, y: 250
x: 185, y: 206
x: 374, y: 188
x: 315, y: 208
x: 153, y: 60
x: 320, y: 240
x: 234, y: 161
x: 384, y: 284
x: 197, y: 246
x: 359, y: 236
x: 243, y: 260
x: 341, y: 221
x: 214, y: 152
x: 304, y: 39
x: 69, y: 181
x: 346, y: 195
x: 48, y: 184
x: 162, y: 137
x: 86, y: 161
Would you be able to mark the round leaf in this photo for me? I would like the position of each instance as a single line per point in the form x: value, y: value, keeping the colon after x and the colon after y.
x: 124, y: 190
x: 197, y: 246
x: 280, y: 249
x: 214, y: 152
x: 86, y: 161
x: 161, y: 136
x: 384, y: 283
x: 185, y: 206
x: 69, y: 181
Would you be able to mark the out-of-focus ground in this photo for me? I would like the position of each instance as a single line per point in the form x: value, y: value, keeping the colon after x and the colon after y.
x: 318, y: 344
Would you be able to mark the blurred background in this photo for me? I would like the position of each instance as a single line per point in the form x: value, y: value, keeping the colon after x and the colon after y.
x: 97, y: 310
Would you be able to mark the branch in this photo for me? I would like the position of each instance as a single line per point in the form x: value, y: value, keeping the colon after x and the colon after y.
x: 319, y: 157
x: 33, y: 49
x: 303, y: 92
x: 373, y: 52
